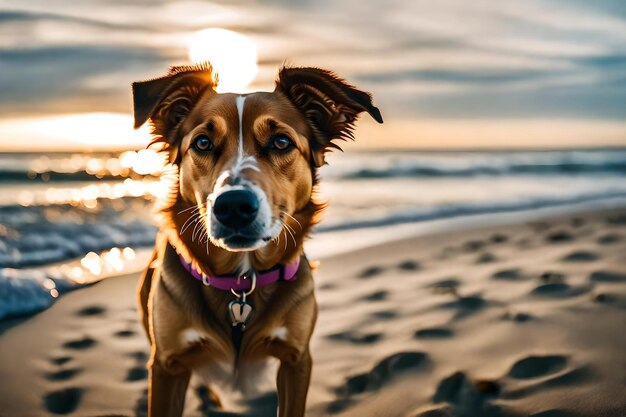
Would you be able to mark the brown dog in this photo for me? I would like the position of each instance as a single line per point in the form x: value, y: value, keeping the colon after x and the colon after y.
x: 226, y: 289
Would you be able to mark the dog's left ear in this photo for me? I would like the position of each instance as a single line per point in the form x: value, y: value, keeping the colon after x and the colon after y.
x: 329, y: 103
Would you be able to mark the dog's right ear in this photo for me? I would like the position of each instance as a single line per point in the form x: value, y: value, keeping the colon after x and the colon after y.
x: 167, y: 100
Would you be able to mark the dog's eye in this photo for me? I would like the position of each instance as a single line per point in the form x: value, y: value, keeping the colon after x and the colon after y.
x: 202, y: 143
x: 282, y: 143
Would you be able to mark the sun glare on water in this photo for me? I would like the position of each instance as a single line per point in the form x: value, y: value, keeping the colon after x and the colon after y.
x: 233, y: 56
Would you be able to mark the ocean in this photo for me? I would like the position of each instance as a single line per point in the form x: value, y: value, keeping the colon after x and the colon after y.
x: 67, y: 220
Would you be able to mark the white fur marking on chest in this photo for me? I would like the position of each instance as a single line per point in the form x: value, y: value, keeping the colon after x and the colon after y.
x: 190, y: 336
x: 250, y: 378
x: 279, y: 333
x: 246, y: 265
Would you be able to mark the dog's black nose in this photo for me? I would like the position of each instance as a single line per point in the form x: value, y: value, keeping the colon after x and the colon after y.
x: 236, y: 208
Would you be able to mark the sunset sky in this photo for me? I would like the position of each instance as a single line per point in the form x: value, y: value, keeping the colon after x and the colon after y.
x: 451, y: 73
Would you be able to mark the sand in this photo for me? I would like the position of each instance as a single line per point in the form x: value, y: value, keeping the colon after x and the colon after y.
x: 526, y: 319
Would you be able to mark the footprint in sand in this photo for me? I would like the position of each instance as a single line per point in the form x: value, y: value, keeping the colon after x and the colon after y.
x: 519, y: 317
x: 383, y: 373
x: 140, y: 356
x: 560, y: 236
x: 80, y: 344
x: 60, y: 360
x: 356, y: 338
x: 125, y: 333
x: 550, y: 277
x: 63, y: 401
x: 434, y: 333
x: 63, y: 375
x: 609, y: 239
x: 466, y: 305
x: 499, y: 238
x: 91, y: 311
x: 607, y: 276
x: 618, y: 219
x: 384, y: 315
x: 408, y: 266
x: 451, y: 388
x: 446, y: 286
x: 486, y: 257
x: 474, y: 245
x: 137, y: 373
x: 611, y: 299
x: 468, y: 397
x: 141, y: 407
x: 513, y: 274
x: 559, y: 289
x: 537, y: 366
x: 375, y: 296
x: 371, y: 272
x: 328, y: 286
x: 581, y: 256
x: 461, y: 396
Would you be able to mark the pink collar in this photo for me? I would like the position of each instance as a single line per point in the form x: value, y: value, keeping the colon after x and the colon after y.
x: 230, y: 282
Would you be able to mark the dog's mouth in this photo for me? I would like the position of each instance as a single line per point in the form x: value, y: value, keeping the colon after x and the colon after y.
x: 247, y: 239
x: 238, y: 241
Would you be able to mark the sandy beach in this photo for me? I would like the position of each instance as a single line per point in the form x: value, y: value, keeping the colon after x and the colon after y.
x: 516, y: 320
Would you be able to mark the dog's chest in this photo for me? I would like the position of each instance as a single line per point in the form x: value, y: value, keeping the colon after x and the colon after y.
x: 250, y: 378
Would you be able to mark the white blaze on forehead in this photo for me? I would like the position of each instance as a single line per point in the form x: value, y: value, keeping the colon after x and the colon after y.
x: 243, y: 161
x: 240, y: 103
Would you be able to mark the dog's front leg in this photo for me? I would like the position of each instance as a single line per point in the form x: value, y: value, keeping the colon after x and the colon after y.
x: 166, y: 392
x: 293, y: 385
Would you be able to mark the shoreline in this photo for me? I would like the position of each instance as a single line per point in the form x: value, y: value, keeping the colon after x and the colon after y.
x: 323, y: 244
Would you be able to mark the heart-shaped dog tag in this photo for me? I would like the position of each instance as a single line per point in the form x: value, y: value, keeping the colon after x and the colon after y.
x: 239, y: 312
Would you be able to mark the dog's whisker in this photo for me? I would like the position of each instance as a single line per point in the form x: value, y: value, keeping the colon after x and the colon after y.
x: 284, y: 230
x: 196, y: 230
x: 196, y: 207
x: 187, y: 209
x: 188, y: 223
x: 193, y: 231
x: 289, y: 229
x: 205, y: 234
x: 294, y: 219
x: 276, y: 239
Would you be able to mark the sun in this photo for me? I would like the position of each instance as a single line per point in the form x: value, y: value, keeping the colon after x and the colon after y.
x: 233, y: 56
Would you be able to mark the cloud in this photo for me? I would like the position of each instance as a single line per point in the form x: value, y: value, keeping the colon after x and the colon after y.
x: 445, y: 59
x: 33, y: 79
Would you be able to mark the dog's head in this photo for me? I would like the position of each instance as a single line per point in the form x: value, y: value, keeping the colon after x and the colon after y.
x: 247, y: 163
